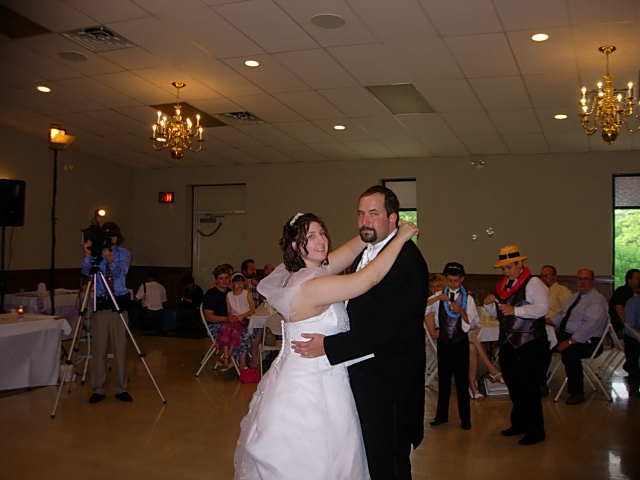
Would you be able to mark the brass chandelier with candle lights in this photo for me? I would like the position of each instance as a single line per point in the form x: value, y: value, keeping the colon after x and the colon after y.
x: 178, y: 134
x: 609, y: 106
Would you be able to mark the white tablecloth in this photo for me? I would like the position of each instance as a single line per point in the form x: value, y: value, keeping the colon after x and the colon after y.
x: 490, y: 332
x: 258, y: 319
x: 66, y: 303
x: 30, y: 350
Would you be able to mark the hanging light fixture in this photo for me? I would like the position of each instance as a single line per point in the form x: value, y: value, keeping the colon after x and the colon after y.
x: 609, y: 107
x: 177, y: 134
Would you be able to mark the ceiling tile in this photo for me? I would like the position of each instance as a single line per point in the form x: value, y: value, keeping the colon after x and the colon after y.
x: 483, y: 55
x: 275, y: 35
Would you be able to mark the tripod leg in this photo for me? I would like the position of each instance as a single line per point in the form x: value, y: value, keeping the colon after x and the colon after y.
x: 73, y: 350
x: 133, y: 340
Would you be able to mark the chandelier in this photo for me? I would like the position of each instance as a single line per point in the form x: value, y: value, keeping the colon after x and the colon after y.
x: 177, y: 134
x: 608, y: 105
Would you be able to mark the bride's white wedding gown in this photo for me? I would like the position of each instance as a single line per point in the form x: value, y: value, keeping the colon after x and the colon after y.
x: 302, y: 421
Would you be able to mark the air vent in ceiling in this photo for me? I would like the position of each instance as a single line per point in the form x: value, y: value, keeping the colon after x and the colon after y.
x: 99, y: 39
x: 238, y: 118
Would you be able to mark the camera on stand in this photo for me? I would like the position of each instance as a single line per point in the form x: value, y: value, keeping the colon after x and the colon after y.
x: 99, y: 237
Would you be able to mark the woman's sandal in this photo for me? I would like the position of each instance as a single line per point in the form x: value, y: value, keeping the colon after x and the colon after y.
x: 497, y: 378
x: 227, y: 364
x: 475, y: 396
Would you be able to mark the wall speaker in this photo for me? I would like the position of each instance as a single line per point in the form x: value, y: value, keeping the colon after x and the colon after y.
x: 12, y: 195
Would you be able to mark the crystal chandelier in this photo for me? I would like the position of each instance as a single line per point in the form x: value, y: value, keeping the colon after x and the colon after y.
x: 608, y: 105
x: 177, y: 134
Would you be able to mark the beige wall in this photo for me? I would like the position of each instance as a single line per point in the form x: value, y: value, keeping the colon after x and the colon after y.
x: 557, y: 208
x: 91, y: 184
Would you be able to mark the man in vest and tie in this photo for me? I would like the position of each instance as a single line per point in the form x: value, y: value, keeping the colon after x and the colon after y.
x: 579, y: 327
x: 521, y: 302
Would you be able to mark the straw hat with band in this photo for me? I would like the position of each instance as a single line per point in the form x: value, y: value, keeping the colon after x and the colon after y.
x: 509, y: 254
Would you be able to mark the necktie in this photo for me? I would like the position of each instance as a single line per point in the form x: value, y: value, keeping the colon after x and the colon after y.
x: 109, y: 276
x: 509, y: 284
x: 565, y: 319
x: 367, y: 256
x: 452, y: 297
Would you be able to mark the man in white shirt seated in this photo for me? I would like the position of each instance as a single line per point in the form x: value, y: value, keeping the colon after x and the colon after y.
x: 152, y: 295
x: 579, y: 327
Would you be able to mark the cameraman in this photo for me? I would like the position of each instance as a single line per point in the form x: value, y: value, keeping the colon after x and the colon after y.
x: 107, y: 328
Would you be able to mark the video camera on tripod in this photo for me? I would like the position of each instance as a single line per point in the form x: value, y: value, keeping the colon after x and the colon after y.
x: 99, y: 237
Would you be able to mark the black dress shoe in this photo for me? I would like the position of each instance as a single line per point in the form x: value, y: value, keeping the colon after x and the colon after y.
x: 465, y: 425
x: 436, y: 421
x: 575, y: 399
x: 532, y: 438
x: 124, y: 396
x: 96, y: 398
x: 511, y: 432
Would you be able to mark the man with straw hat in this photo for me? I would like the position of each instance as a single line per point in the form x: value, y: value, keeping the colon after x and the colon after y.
x: 521, y: 302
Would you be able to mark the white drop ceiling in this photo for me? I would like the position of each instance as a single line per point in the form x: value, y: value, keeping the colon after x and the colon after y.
x: 493, y: 89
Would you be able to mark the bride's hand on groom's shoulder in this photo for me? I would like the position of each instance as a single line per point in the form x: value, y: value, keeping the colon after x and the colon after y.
x: 406, y: 230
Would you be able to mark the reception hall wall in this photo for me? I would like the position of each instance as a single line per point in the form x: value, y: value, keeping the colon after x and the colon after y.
x: 556, y: 207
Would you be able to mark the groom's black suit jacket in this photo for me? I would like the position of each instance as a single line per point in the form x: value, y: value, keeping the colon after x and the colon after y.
x: 388, y: 389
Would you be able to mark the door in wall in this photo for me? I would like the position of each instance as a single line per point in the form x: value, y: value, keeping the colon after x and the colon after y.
x: 219, y: 229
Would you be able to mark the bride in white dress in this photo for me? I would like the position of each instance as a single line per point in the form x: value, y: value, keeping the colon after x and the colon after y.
x: 302, y: 421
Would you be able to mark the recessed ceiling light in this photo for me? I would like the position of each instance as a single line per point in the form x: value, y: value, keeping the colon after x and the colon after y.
x: 71, y: 56
x: 43, y: 89
x: 252, y: 63
x: 560, y: 116
x: 328, y: 20
x: 539, y: 37
x: 339, y: 127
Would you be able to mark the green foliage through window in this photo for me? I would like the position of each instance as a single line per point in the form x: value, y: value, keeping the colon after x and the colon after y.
x: 410, y: 216
x: 626, y: 243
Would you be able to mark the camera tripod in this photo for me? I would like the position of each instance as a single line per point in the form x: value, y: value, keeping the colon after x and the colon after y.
x: 95, y: 275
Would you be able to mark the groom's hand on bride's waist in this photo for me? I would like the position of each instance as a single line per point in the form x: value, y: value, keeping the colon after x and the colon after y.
x: 314, y: 347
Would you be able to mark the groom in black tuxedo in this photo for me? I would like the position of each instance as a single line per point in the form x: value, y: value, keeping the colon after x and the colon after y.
x: 387, y: 322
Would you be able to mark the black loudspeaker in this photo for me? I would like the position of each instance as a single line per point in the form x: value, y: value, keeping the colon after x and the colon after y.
x: 12, y: 194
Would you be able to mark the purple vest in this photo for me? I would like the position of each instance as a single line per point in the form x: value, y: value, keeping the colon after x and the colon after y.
x: 515, y: 330
x: 450, y: 328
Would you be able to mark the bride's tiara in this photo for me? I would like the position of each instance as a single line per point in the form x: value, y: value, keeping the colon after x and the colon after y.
x: 295, y: 217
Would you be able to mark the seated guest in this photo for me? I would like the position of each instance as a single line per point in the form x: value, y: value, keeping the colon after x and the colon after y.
x: 437, y: 283
x: 632, y: 344
x: 214, y: 303
x: 579, y: 326
x: 455, y: 313
x: 558, y: 294
x: 620, y: 297
x: 152, y: 295
x: 478, y: 352
x: 189, y: 302
x: 268, y: 268
x: 240, y: 307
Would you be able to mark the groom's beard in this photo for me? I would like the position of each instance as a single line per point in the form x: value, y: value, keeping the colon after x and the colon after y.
x: 368, y: 235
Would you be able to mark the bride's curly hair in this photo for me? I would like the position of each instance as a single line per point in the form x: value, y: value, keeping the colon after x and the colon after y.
x: 295, y: 230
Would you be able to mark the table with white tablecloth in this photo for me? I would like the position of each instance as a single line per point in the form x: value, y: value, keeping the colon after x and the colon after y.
x: 30, y: 349
x: 258, y: 319
x: 66, y: 303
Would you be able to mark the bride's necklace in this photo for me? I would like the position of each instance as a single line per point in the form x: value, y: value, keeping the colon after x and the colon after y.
x: 463, y: 292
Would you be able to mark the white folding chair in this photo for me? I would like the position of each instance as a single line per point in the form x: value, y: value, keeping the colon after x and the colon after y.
x: 613, y: 358
x: 587, y: 367
x: 432, y: 359
x: 213, y: 351
x: 273, y: 323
